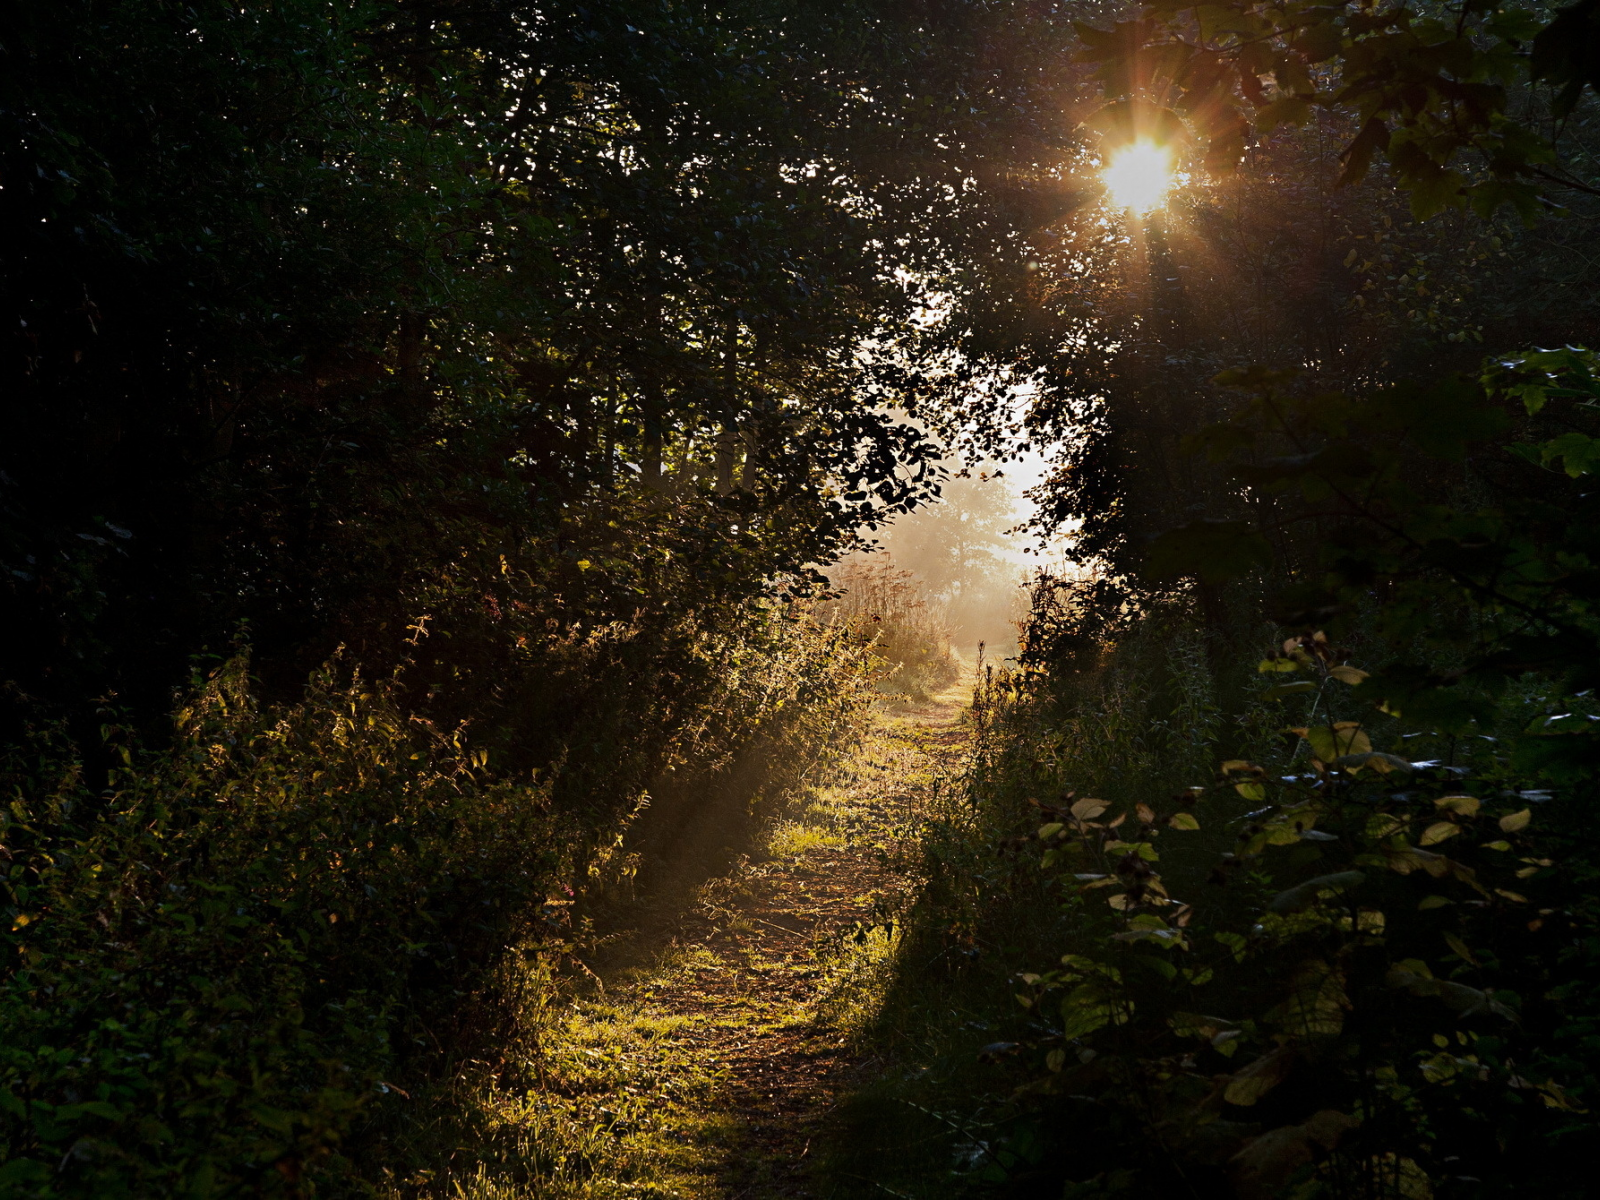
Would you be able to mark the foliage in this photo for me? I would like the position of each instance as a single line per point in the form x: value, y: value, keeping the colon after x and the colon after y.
x: 1471, y: 541
x: 1430, y: 526
x: 310, y: 301
x: 1318, y: 922
x: 1387, y: 989
x: 527, y: 353
x: 1269, y: 261
x: 1332, y: 968
x: 1433, y: 88
x: 227, y: 969
x: 208, y: 962
x: 960, y: 552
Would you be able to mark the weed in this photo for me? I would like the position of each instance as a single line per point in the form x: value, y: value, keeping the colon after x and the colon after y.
x: 886, y: 609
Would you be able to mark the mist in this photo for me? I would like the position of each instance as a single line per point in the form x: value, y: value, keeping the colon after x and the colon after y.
x: 965, y: 557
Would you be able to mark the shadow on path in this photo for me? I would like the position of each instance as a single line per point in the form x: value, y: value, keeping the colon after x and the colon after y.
x: 763, y: 976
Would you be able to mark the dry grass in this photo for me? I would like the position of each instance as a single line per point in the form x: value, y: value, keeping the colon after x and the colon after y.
x: 909, y: 633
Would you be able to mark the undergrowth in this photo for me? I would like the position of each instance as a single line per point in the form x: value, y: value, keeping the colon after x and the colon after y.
x: 1169, y: 946
x: 885, y: 608
x: 638, y: 1073
x: 1295, y: 908
x: 290, y: 954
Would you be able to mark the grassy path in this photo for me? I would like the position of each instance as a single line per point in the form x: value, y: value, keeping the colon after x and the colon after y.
x: 708, y: 1064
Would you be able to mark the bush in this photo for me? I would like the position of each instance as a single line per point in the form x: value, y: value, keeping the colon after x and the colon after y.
x: 1313, y: 920
x: 1343, y: 968
x: 242, y: 951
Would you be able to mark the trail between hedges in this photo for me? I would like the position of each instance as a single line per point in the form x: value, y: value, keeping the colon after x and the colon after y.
x: 728, y: 1042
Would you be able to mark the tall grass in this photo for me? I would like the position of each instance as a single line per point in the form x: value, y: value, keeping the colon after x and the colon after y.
x: 282, y: 955
x: 909, y: 634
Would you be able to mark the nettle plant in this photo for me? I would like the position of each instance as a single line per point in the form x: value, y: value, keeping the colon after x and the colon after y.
x: 1341, y: 972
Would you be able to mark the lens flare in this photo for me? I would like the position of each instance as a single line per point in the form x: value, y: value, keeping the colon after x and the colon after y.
x: 1139, y: 176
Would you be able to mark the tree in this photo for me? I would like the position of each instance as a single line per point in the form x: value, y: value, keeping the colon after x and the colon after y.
x: 1446, y: 93
x: 959, y: 550
x: 321, y: 313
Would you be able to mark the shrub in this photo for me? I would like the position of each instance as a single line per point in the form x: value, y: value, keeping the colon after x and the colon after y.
x: 242, y: 951
x: 1319, y: 921
x: 1341, y: 970
x: 220, y: 960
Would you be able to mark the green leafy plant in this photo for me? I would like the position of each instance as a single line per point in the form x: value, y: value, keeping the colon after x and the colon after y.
x: 1365, y: 992
x: 1315, y: 921
x: 227, y: 969
x: 1374, y: 989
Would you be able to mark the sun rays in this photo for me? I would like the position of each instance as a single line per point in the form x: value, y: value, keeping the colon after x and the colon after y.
x: 1139, y: 176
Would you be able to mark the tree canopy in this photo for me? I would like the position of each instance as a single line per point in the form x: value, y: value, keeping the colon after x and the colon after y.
x: 424, y: 417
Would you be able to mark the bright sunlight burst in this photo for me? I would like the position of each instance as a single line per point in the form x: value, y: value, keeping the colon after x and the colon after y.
x: 1139, y: 176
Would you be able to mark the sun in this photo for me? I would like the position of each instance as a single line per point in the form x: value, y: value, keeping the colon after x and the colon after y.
x: 1139, y: 176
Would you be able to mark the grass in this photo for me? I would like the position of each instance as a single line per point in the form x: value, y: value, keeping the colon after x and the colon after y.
x: 612, y: 1094
x: 693, y: 1047
x: 792, y: 839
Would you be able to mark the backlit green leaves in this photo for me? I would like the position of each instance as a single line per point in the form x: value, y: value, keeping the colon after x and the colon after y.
x: 1096, y: 996
x: 1316, y: 1003
x: 1253, y: 788
x: 1578, y: 453
x: 1148, y: 927
x: 1535, y: 377
x: 1088, y: 808
x: 1329, y: 742
x: 1438, y: 832
x: 1255, y: 1080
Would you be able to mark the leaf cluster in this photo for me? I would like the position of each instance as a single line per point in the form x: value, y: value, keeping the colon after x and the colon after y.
x: 1361, y: 979
x: 1438, y: 90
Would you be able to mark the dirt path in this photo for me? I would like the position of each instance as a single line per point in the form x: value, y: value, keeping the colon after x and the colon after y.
x: 714, y: 1055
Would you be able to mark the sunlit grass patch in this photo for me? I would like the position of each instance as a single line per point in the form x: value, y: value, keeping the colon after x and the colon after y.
x: 653, y: 1026
x: 792, y: 839
x: 618, y: 1099
x: 858, y: 979
x: 629, y: 1087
